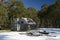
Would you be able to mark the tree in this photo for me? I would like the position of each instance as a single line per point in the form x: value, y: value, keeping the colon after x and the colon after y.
x: 30, y: 13
x: 42, y: 15
x: 3, y: 15
x: 51, y: 13
x: 14, y: 9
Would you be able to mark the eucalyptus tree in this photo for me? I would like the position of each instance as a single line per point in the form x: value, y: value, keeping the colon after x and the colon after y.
x: 14, y: 9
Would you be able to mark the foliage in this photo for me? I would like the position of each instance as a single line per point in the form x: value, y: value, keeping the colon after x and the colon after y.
x: 50, y: 15
x: 15, y: 9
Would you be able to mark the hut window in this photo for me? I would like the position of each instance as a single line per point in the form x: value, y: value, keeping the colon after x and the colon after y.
x: 22, y: 22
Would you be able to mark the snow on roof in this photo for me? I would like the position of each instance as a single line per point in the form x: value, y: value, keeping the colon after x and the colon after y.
x: 24, y: 19
x: 28, y: 19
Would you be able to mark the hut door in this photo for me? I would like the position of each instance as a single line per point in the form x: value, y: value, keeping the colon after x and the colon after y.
x: 18, y: 27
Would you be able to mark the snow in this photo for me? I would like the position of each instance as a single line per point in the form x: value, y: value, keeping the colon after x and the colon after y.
x: 23, y: 36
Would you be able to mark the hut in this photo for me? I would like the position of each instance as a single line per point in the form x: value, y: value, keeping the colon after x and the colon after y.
x: 23, y: 24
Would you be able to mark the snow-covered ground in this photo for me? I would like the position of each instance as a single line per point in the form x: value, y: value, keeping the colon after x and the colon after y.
x: 54, y: 35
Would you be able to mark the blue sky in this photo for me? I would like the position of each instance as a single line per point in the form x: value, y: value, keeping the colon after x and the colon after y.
x: 37, y: 3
